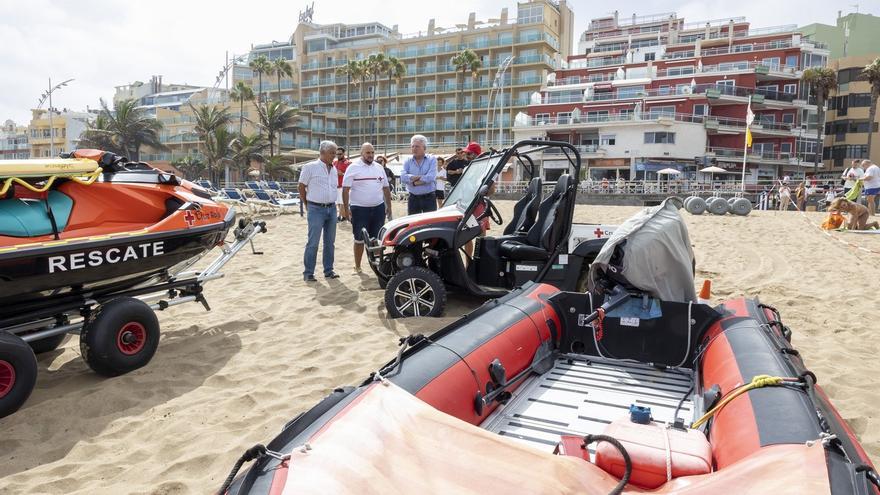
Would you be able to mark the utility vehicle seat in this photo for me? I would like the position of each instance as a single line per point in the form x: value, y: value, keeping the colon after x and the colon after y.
x: 546, y: 231
x: 526, y: 209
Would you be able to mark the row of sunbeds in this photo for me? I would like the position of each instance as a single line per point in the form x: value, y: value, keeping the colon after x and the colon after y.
x: 267, y: 197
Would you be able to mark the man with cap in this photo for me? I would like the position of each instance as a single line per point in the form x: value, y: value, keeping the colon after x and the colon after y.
x: 455, y: 167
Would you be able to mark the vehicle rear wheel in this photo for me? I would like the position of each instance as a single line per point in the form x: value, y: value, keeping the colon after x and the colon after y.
x: 48, y: 344
x: 415, y: 291
x: 121, y: 336
x: 18, y: 373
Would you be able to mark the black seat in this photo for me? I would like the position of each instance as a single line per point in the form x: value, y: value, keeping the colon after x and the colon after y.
x: 545, y: 234
x: 526, y: 209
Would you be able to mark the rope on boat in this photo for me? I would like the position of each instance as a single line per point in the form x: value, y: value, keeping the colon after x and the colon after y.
x: 86, y: 180
x: 758, y: 381
x: 254, y: 453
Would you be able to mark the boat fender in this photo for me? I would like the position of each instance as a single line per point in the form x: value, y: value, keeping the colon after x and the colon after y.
x: 626, y: 459
x: 640, y: 414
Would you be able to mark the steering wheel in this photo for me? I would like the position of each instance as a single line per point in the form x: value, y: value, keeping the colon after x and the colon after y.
x: 491, y: 212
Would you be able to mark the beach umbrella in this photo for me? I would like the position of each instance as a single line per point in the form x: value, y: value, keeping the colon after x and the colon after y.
x: 668, y: 171
x: 712, y: 171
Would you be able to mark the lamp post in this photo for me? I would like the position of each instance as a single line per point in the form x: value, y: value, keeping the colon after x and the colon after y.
x: 497, y: 83
x: 43, y: 97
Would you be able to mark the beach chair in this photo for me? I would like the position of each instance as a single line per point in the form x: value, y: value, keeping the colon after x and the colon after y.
x: 205, y: 184
x: 277, y: 206
x: 274, y: 186
x: 234, y: 197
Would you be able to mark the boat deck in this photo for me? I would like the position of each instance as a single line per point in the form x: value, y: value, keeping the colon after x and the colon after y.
x: 582, y: 394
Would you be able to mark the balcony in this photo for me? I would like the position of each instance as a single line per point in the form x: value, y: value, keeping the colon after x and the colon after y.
x: 596, y: 120
x: 769, y: 157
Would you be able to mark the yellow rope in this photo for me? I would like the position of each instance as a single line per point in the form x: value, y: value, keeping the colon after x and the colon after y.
x: 86, y: 180
x: 757, y: 382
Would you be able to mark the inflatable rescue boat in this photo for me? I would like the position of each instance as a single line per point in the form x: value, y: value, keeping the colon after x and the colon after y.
x: 632, y: 387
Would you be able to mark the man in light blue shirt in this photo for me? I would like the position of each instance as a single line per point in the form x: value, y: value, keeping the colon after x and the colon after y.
x: 419, y: 175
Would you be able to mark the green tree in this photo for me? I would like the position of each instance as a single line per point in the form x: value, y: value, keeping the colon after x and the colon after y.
x: 352, y: 72
x: 276, y: 118
x: 278, y: 168
x: 217, y: 151
x: 209, y: 119
x: 192, y: 166
x: 871, y: 72
x: 131, y: 127
x: 247, y: 149
x: 363, y: 75
x: 822, y: 81
x: 281, y: 68
x: 375, y: 67
x: 241, y: 92
x: 260, y: 65
x: 465, y: 61
x: 395, y: 69
x: 99, y: 136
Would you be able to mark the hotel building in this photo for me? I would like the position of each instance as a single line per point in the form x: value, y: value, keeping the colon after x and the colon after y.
x: 14, y: 142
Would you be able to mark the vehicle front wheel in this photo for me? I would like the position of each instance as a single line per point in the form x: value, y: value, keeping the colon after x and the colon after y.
x: 121, y: 336
x: 18, y: 373
x: 415, y: 291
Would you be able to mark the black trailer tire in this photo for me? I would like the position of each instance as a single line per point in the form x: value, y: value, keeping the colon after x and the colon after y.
x: 48, y: 344
x: 121, y: 336
x: 18, y: 373
x: 415, y: 291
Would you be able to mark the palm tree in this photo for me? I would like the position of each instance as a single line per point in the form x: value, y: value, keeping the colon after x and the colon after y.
x: 376, y: 67
x: 209, y: 119
x: 277, y: 117
x: 241, y: 92
x: 247, y: 149
x: 260, y: 65
x: 99, y: 136
x: 465, y: 61
x: 217, y: 149
x: 351, y: 71
x: 281, y: 68
x: 871, y: 72
x: 396, y: 70
x: 821, y: 81
x: 278, y: 167
x: 362, y: 75
x: 191, y: 166
x: 131, y: 127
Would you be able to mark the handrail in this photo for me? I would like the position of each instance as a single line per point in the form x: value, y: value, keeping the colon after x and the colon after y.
x: 86, y: 180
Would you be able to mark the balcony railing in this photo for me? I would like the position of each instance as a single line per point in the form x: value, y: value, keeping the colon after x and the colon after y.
x: 588, y: 118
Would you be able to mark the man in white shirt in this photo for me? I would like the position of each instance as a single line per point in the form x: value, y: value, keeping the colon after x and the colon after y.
x: 366, y: 199
x: 872, y: 185
x: 851, y: 175
x: 318, y: 182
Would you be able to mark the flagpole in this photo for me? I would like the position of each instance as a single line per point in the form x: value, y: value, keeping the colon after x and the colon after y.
x: 749, y: 117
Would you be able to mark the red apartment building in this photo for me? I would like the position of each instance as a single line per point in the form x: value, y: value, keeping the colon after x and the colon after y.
x: 654, y: 92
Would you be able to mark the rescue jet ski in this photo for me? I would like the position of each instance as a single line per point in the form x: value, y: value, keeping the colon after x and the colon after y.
x: 95, y: 223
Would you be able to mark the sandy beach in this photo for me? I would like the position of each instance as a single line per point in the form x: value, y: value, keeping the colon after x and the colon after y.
x: 272, y: 346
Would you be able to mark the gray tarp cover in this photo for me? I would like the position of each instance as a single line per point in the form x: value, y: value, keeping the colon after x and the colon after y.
x: 657, y: 254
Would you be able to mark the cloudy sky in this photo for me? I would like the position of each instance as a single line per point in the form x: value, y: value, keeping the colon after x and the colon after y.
x: 107, y: 43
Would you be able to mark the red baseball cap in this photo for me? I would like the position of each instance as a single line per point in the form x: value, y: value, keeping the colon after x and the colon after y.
x: 474, y: 148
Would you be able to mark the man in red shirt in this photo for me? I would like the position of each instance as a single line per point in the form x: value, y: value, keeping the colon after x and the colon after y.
x: 341, y: 164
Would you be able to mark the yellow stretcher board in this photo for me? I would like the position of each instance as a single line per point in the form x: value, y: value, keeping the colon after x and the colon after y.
x: 45, y: 167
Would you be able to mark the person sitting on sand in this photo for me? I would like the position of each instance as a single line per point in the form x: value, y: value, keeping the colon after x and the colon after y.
x: 858, y: 214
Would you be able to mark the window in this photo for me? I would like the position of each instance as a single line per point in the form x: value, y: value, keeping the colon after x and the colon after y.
x: 727, y: 82
x: 631, y: 92
x: 788, y: 118
x: 597, y: 116
x: 659, y: 138
x: 785, y: 150
x: 663, y: 91
x: 682, y: 89
x: 772, y: 62
x: 860, y: 100
x: 607, y: 139
x: 542, y: 118
x: 650, y: 56
x: 680, y: 71
x: 791, y: 61
x: 664, y: 111
x: 700, y: 109
x: 790, y: 89
x: 625, y: 114
x: 563, y: 117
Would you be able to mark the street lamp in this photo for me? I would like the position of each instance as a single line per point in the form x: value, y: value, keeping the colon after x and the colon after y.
x: 48, y: 95
x: 498, y: 83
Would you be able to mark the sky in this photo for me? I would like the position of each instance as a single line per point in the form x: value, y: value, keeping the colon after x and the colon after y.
x: 102, y: 44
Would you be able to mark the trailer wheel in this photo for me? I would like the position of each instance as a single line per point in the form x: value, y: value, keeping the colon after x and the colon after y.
x: 18, y: 373
x: 741, y: 207
x: 415, y: 291
x: 48, y: 344
x: 696, y: 206
x: 121, y: 336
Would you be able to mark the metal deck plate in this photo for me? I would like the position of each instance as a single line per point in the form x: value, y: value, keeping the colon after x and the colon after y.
x: 580, y: 396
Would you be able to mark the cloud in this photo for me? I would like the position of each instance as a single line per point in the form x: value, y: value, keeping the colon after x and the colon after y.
x: 108, y: 43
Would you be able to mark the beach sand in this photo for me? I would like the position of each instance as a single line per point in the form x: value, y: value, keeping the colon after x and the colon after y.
x: 272, y: 346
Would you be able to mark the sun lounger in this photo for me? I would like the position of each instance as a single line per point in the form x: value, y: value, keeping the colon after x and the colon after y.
x: 277, y: 205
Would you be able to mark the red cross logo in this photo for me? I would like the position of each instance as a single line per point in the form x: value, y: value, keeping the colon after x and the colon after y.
x: 189, y: 218
x: 598, y: 233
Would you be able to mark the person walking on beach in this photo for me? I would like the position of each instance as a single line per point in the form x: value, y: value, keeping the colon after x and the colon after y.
x: 341, y: 164
x: 800, y: 195
x: 419, y: 176
x: 441, y: 180
x: 851, y: 175
x: 871, y: 181
x: 784, y: 194
x: 366, y: 198
x: 317, y: 190
x: 858, y: 214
